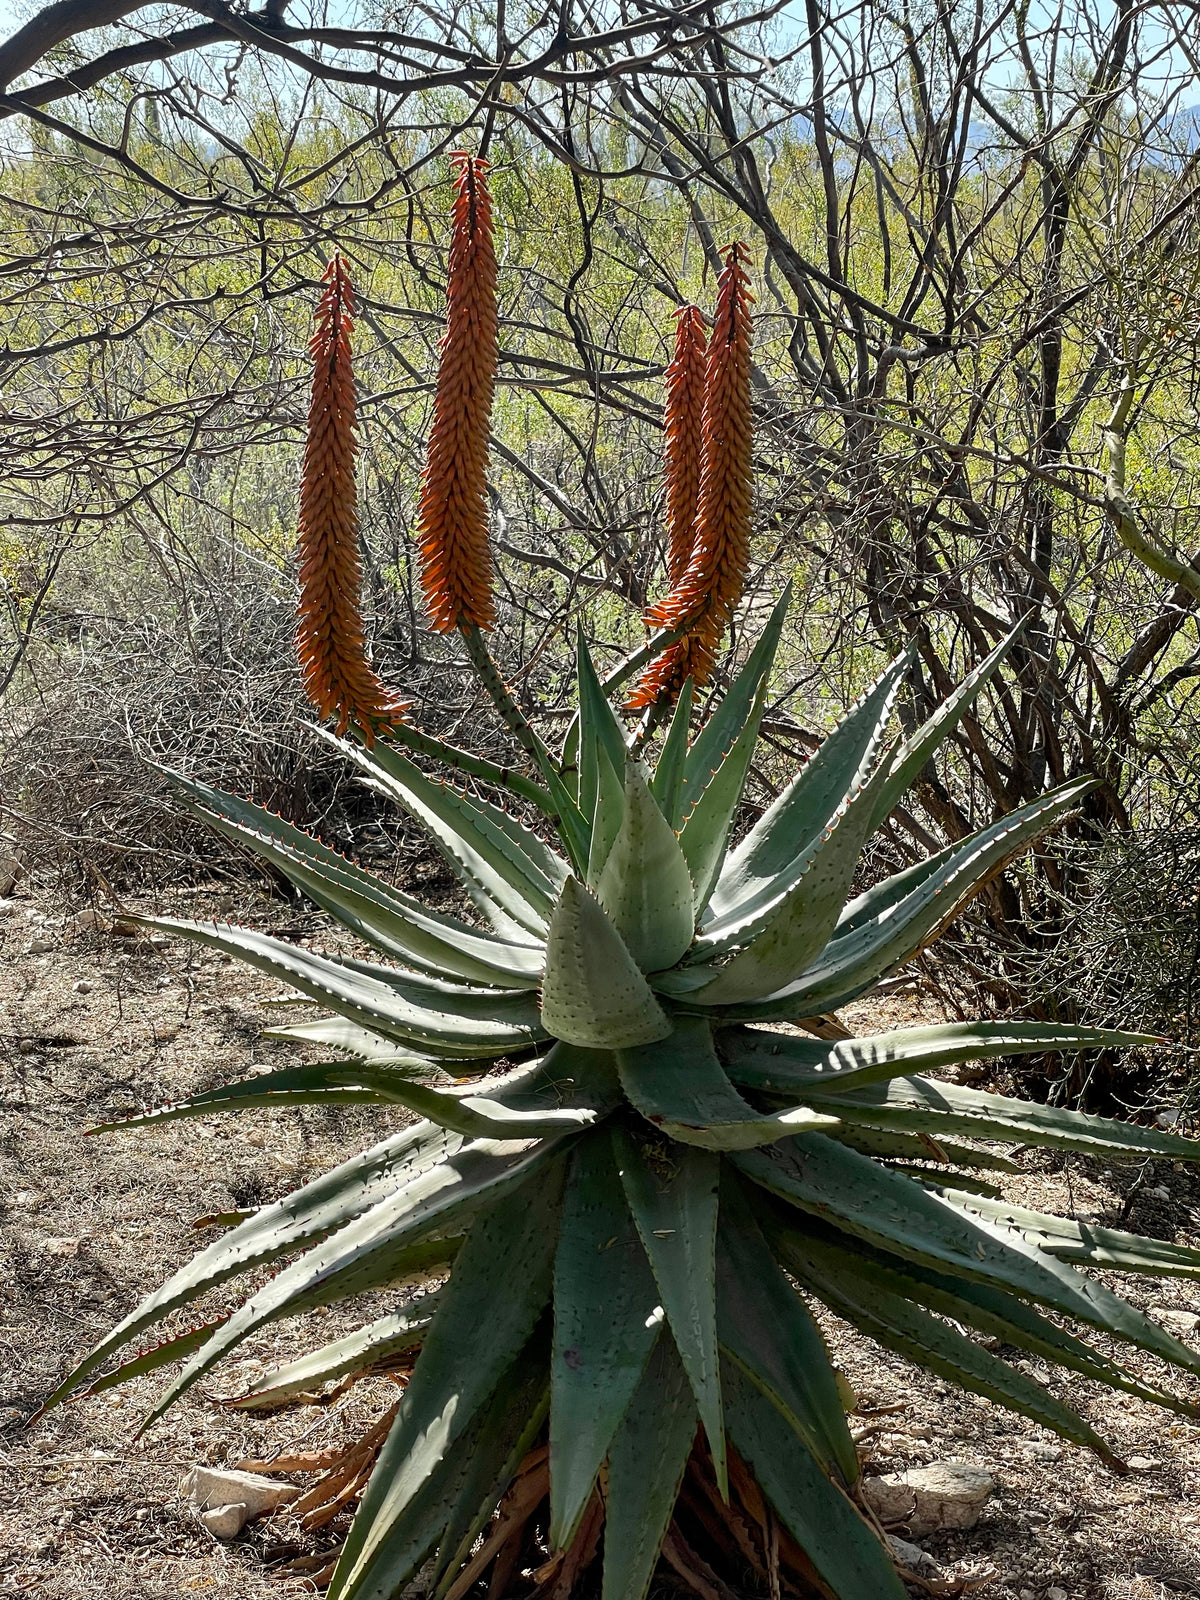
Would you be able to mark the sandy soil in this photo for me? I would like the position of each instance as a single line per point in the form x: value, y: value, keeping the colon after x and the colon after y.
x: 93, y: 1026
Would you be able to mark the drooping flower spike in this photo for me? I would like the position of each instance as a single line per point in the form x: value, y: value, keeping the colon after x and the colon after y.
x: 704, y: 598
x: 683, y: 420
x: 330, y: 643
x: 455, y: 554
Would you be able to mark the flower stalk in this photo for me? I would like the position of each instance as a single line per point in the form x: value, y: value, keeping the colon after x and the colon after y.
x: 703, y: 599
x: 455, y: 553
x: 330, y: 639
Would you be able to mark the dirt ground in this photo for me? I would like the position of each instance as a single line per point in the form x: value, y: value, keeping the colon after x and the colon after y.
x: 93, y: 1026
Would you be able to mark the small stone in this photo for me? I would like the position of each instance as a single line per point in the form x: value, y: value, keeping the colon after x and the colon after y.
x: 90, y: 921
x: 217, y: 1488
x: 164, y: 1032
x: 1142, y: 1464
x: 82, y: 987
x: 61, y: 1247
x: 39, y: 947
x: 1168, y: 1118
x: 225, y: 1522
x: 913, y: 1559
x: 27, y: 1046
x: 946, y: 1494
x: 1026, y: 1594
x: 1158, y: 1192
x: 1057, y: 1594
x: 1040, y: 1451
x: 1030, y: 1371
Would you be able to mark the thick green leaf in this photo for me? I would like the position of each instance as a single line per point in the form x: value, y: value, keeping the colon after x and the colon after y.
x: 667, y: 783
x: 820, y: 1516
x: 705, y: 836
x: 989, y: 1311
x: 941, y: 1229
x: 786, y: 1064
x: 503, y: 863
x: 606, y: 1319
x: 785, y: 831
x: 308, y: 1213
x: 503, y: 1274
x: 151, y: 1359
x: 645, y: 1469
x: 598, y: 729
x: 370, y: 1249
x: 789, y: 932
x: 1087, y: 1242
x: 672, y: 1193
x: 593, y: 993
x: 926, y: 1105
x: 324, y: 1083
x: 645, y: 886
x: 515, y: 1418
x: 853, y: 962
x: 880, y: 1304
x: 445, y: 1019
x: 726, y: 721
x: 874, y: 903
x: 334, y: 1033
x: 446, y: 1497
x: 885, y: 1145
x: 608, y: 815
x: 383, y: 915
x: 678, y: 1084
x: 373, y: 1346
x: 916, y: 751
x: 765, y: 1327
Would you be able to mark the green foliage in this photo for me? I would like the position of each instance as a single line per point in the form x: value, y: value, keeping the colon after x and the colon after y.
x: 635, y: 1219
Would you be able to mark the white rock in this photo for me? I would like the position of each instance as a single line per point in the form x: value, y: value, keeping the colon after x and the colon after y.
x: 90, y: 921
x: 82, y: 987
x: 1142, y: 1463
x: 1159, y: 1192
x: 216, y: 1488
x: 39, y: 947
x: 946, y: 1494
x: 1057, y: 1594
x: 225, y: 1522
x: 1168, y: 1118
x: 913, y: 1559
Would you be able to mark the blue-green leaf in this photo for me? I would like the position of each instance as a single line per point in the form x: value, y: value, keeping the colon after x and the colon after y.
x: 672, y: 1193
x: 606, y: 1319
x: 645, y: 886
x: 765, y: 1327
x: 840, y: 1543
x: 678, y: 1084
x: 593, y: 993
x: 506, y: 1267
x: 645, y: 1469
x: 787, y: 1064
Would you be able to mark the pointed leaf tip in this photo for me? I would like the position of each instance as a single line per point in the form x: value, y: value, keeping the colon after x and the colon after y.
x: 593, y: 993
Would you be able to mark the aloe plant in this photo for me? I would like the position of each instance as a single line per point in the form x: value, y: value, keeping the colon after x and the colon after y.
x: 632, y: 1175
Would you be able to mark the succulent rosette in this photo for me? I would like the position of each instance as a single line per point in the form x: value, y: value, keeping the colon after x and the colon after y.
x: 633, y: 1175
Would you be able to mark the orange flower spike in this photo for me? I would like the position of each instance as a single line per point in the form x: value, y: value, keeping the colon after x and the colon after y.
x: 455, y: 552
x: 683, y: 415
x: 330, y: 643
x: 704, y: 599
